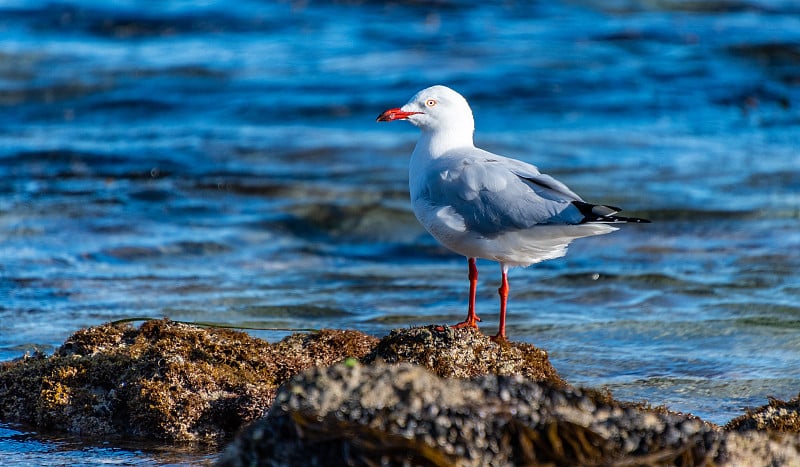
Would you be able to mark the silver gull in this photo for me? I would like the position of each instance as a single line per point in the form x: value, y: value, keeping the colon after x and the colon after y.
x: 483, y: 205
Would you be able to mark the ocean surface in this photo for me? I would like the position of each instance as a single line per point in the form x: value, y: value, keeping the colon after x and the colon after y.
x: 220, y: 162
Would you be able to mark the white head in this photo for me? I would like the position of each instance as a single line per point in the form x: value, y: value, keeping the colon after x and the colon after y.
x: 437, y: 109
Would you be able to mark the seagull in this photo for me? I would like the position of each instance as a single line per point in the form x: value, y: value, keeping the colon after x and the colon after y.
x: 483, y: 205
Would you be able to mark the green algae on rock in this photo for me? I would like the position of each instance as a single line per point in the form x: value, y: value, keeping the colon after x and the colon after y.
x: 463, y: 353
x: 402, y: 414
x: 163, y: 381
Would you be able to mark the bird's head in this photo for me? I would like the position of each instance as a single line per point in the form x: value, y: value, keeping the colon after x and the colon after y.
x: 437, y: 108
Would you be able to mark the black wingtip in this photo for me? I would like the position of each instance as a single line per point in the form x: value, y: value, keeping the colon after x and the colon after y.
x: 600, y: 213
x: 636, y: 220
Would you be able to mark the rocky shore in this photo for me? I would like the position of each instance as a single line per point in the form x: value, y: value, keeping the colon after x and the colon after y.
x: 420, y: 396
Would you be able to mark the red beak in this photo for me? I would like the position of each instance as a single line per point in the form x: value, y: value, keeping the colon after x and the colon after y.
x: 394, y: 114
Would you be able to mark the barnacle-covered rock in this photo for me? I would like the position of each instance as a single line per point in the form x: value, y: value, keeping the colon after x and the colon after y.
x: 777, y: 415
x: 463, y: 353
x: 402, y: 414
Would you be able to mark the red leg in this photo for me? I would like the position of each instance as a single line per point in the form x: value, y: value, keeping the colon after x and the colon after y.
x: 472, y: 317
x: 503, y: 291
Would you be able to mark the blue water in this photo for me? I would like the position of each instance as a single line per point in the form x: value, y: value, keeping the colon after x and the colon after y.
x: 219, y: 161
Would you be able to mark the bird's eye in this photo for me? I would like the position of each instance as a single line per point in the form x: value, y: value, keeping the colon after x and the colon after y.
x: 430, y: 102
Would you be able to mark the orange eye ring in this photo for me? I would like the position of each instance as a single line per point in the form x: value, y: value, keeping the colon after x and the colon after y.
x: 430, y: 102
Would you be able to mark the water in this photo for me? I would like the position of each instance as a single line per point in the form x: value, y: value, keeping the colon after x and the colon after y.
x: 219, y: 161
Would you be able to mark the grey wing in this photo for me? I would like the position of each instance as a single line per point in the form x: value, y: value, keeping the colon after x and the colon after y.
x: 495, y: 194
x: 544, y: 185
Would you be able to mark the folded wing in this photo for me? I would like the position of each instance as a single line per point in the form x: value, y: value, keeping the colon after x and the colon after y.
x: 494, y: 194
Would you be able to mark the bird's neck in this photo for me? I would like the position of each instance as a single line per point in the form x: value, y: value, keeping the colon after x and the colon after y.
x: 430, y: 146
x: 435, y: 143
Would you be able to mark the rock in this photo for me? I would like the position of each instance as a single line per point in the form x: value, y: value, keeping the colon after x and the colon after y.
x: 164, y: 381
x: 463, y: 353
x: 778, y: 415
x: 175, y: 382
x: 381, y: 414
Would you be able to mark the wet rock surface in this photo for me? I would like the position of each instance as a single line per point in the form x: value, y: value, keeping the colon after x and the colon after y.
x: 381, y: 414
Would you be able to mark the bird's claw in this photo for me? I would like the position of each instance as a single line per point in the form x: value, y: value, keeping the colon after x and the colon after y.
x: 470, y: 322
